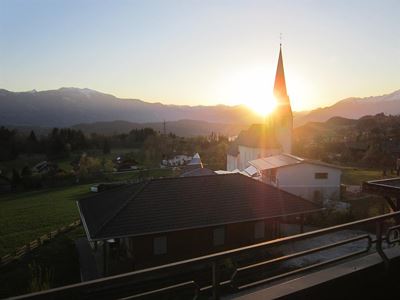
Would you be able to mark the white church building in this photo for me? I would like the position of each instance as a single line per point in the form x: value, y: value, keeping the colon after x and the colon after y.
x: 271, y: 138
x: 267, y: 147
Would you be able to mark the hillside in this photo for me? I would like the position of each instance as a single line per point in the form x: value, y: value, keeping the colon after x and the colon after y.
x: 185, y: 128
x: 309, y: 131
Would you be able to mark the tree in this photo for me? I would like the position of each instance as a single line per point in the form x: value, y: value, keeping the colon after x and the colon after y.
x: 26, y: 172
x: 108, y: 165
x: 15, y: 179
x: 106, y: 147
x: 32, y: 137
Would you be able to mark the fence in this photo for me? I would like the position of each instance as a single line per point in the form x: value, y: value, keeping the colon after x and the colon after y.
x: 21, y: 251
x: 171, y: 278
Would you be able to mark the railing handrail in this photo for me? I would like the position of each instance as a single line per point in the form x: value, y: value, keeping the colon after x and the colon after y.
x: 219, y: 255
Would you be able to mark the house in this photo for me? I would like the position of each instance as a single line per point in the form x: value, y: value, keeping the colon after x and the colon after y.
x: 194, y: 164
x: 44, y: 167
x: 177, y: 160
x: 195, y: 167
x: 170, y: 219
x: 272, y: 137
x: 309, y: 179
x: 125, y: 163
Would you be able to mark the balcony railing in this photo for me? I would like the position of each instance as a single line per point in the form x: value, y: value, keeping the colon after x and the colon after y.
x: 209, y: 275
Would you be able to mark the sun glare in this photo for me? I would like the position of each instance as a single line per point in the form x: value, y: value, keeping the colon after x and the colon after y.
x: 263, y: 107
x: 251, y: 87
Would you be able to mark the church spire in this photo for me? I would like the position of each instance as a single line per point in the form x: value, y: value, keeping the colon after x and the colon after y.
x: 283, y: 116
x: 280, y: 83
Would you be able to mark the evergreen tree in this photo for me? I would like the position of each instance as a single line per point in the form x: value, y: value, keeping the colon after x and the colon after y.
x: 32, y: 137
x: 106, y: 147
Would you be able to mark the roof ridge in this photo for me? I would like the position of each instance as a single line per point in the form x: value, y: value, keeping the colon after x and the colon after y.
x: 180, y: 178
x: 321, y: 163
x: 108, y: 220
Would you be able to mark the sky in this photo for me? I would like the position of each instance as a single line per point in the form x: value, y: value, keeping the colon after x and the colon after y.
x: 202, y: 52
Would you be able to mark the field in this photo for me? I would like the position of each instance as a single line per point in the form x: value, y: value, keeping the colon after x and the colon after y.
x: 28, y: 215
x: 354, y: 176
x: 53, y: 264
x: 25, y: 216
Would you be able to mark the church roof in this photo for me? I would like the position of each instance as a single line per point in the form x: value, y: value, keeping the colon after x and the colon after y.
x: 258, y: 136
x: 280, y: 82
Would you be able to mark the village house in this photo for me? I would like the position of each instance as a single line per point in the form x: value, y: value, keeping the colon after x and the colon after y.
x: 309, y: 179
x: 170, y: 219
x: 195, y: 167
x: 176, y: 161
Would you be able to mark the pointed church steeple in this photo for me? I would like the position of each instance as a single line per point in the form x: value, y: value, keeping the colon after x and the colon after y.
x: 280, y: 82
x: 283, y: 116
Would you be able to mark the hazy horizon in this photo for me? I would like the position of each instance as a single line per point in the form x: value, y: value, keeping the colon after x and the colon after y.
x: 202, y: 53
x: 191, y: 105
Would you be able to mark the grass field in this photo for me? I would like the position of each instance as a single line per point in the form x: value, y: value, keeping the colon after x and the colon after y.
x: 28, y: 215
x: 352, y: 176
x: 25, y: 216
x: 57, y: 258
x: 65, y: 163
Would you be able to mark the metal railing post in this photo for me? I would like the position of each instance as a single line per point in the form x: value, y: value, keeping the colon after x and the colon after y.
x: 215, y: 279
x: 379, y: 244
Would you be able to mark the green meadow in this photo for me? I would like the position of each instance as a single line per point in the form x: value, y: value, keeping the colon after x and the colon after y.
x: 25, y: 216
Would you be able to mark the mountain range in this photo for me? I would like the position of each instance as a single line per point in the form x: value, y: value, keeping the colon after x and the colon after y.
x: 70, y: 106
x: 354, y: 108
x: 93, y: 111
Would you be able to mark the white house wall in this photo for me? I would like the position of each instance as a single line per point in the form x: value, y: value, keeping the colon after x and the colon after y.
x: 300, y: 180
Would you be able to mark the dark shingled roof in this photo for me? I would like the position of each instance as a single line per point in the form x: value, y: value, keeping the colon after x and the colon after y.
x: 198, y: 172
x: 170, y: 204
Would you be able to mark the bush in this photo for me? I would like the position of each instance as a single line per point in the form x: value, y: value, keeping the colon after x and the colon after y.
x: 32, y: 182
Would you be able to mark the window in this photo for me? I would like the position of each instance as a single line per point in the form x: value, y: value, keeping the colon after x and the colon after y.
x: 321, y: 175
x: 259, y: 230
x: 160, y: 245
x: 219, y: 236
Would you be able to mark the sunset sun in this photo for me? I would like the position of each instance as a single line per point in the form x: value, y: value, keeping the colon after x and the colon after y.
x: 252, y: 87
x: 264, y: 106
